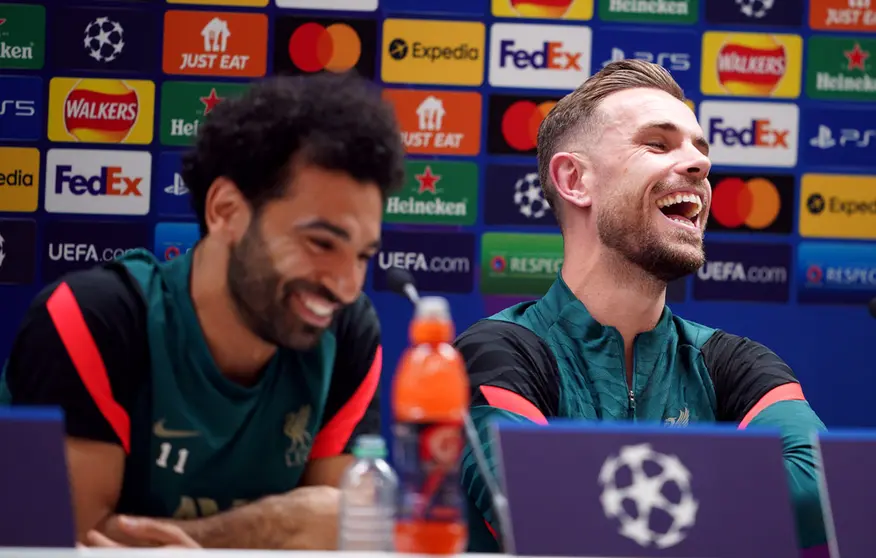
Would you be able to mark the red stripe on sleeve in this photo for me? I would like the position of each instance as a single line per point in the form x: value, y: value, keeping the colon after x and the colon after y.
x: 77, y: 339
x: 332, y: 438
x: 510, y: 401
x: 491, y: 530
x: 786, y: 392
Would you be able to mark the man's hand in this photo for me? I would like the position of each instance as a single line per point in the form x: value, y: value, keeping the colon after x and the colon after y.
x: 141, y: 531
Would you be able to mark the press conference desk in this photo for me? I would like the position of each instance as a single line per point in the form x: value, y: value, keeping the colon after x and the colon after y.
x: 197, y: 553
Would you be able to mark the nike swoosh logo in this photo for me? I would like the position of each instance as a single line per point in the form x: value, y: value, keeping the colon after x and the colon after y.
x: 161, y: 432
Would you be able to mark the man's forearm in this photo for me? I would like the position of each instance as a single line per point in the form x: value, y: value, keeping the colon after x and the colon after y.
x: 282, y: 522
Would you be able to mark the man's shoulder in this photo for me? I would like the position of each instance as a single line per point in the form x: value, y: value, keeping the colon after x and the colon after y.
x: 356, y: 320
x: 693, y: 333
x: 105, y: 292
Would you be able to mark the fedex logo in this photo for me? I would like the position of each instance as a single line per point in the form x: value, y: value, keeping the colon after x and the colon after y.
x: 751, y: 134
x: 759, y: 133
x: 539, y: 56
x: 98, y: 182
x: 550, y: 56
x: 110, y: 182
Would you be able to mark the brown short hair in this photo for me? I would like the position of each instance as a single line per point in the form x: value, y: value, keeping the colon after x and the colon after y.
x: 576, y: 110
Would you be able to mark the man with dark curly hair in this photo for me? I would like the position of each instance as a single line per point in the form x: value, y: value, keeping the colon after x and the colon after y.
x: 219, y: 391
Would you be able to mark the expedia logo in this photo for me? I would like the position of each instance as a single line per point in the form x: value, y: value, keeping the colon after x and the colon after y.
x: 756, y: 66
x: 817, y: 204
x: 399, y: 49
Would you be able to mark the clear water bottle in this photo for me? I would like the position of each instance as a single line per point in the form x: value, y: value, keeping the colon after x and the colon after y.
x: 368, y: 499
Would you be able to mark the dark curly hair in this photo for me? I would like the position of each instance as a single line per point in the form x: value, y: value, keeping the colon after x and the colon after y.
x: 335, y: 121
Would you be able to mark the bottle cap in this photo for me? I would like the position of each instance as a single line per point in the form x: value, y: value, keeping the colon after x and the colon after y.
x: 433, y: 308
x: 370, y: 445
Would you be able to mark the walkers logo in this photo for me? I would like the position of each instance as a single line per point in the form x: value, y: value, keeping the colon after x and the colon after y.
x: 678, y: 52
x: 544, y: 9
x: 254, y: 3
x: 751, y: 134
x: 19, y: 179
x: 539, y: 56
x: 752, y: 203
x: 514, y: 122
x: 309, y: 45
x: 184, y: 104
x: 842, y: 15
x: 22, y: 36
x: 520, y: 264
x: 98, y: 182
x: 840, y: 68
x: 436, y: 193
x: 753, y: 272
x: 224, y: 44
x: 101, y: 110
x: 514, y: 197
x: 752, y: 64
x: 346, y: 5
x: 433, y: 52
x: 175, y: 239
x: 438, y: 122
x: 839, y: 137
x: 21, y: 107
x: 838, y: 206
x: 836, y: 272
x: 649, y: 11
x: 17, y: 251
x: 439, y: 262
x: 171, y: 196
x: 77, y: 245
x: 756, y: 12
x: 104, y: 39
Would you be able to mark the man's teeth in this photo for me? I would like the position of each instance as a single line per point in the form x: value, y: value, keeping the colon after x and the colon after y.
x: 319, y: 308
x: 672, y: 199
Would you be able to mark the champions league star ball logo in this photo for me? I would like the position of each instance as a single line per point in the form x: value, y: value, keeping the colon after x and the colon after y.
x: 529, y: 198
x: 755, y: 8
x: 104, y: 39
x: 639, y: 485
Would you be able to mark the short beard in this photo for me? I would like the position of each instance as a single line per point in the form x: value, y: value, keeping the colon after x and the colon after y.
x: 640, y: 246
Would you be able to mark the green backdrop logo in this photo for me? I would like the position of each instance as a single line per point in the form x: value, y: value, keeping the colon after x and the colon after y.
x: 435, y: 193
x: 841, y: 68
x: 520, y: 264
x: 184, y: 104
x: 22, y: 36
x: 650, y: 11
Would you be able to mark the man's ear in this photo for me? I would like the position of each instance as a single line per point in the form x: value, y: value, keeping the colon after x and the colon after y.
x: 226, y: 211
x: 571, y: 174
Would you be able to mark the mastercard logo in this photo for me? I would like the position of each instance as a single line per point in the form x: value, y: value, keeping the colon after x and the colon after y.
x: 101, y: 110
x: 335, y: 48
x: 752, y: 203
x: 752, y: 64
x: 541, y: 8
x: 521, y: 121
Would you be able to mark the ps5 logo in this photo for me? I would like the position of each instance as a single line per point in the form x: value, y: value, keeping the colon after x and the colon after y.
x: 17, y: 108
x: 825, y: 139
x: 678, y: 61
x: 178, y: 188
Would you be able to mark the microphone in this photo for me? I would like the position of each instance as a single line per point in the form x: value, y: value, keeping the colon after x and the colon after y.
x: 872, y: 307
x: 402, y: 282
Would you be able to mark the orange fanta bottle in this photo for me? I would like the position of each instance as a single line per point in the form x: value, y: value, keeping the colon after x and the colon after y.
x: 430, y: 399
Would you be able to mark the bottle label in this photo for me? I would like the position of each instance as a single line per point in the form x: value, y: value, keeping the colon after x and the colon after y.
x: 427, y: 460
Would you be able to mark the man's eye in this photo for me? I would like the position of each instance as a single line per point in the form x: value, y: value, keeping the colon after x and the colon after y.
x: 321, y: 244
x: 657, y: 145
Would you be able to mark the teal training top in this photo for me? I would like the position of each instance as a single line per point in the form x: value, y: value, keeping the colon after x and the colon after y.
x: 196, y: 442
x: 550, y: 359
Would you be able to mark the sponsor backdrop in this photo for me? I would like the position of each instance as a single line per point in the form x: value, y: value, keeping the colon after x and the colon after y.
x: 98, y: 99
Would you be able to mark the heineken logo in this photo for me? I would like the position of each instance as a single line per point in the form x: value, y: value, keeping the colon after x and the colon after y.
x: 839, y: 69
x: 435, y: 193
x: 650, y: 11
x: 185, y: 105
